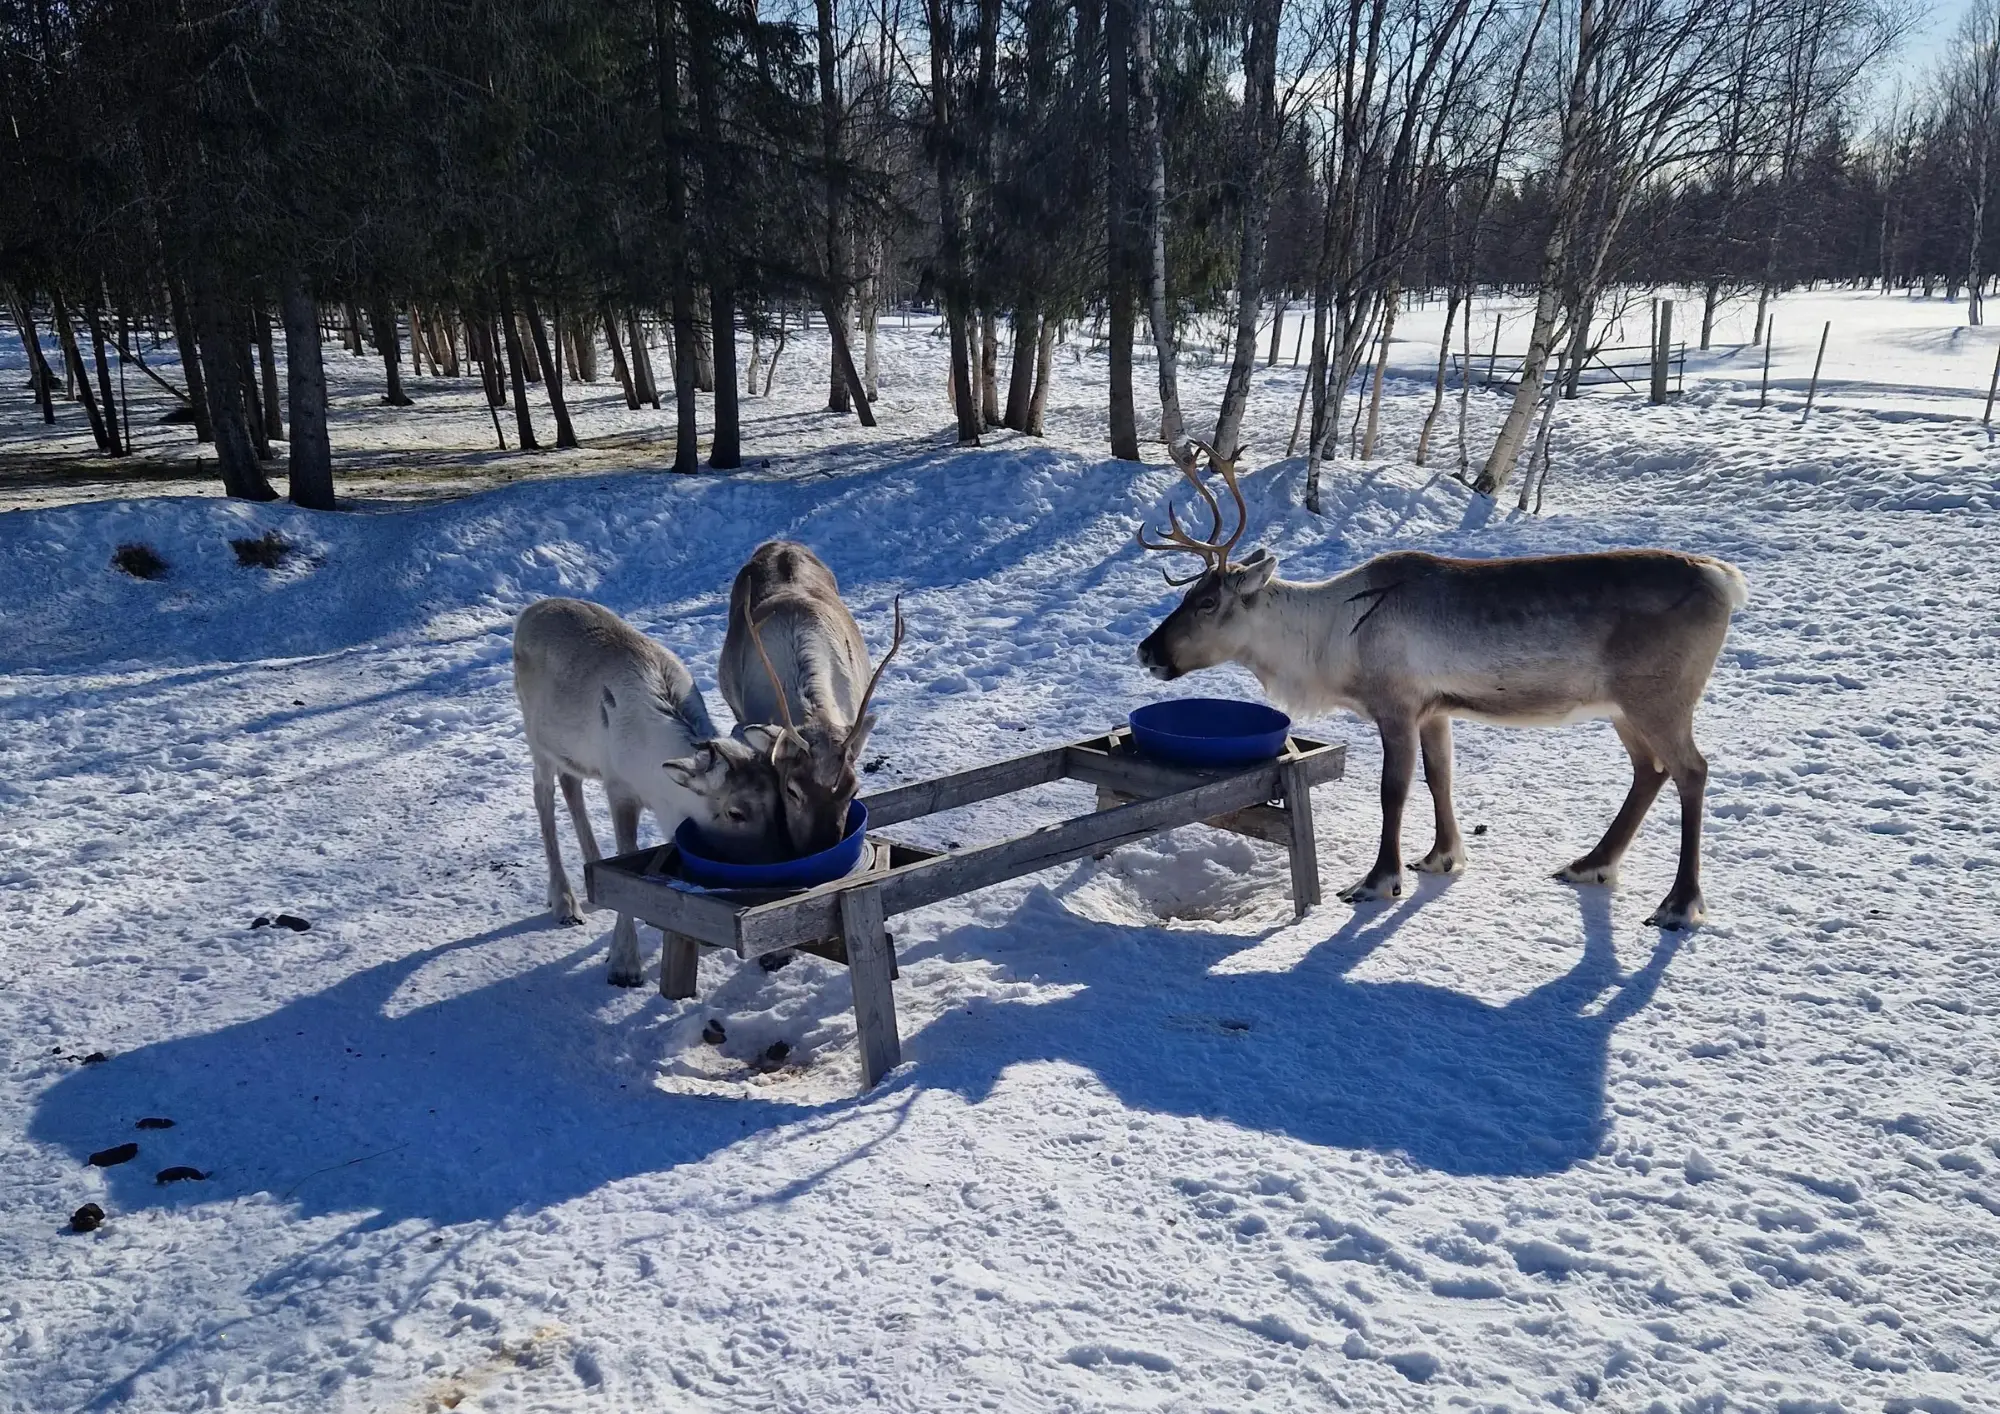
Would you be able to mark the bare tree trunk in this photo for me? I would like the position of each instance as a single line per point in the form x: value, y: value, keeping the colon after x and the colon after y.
x: 1260, y: 102
x: 353, y: 339
x: 94, y: 318
x: 184, y: 338
x: 989, y: 369
x: 1021, y: 369
x: 843, y: 358
x: 1173, y: 427
x: 1563, y: 199
x: 389, y: 344
x: 1277, y: 332
x: 1118, y: 219
x: 223, y: 379
x: 253, y: 402
x: 951, y: 220
x: 565, y: 430
x: 1451, y: 302
x: 725, y: 451
x: 309, y: 454
x: 618, y: 365
x: 38, y: 364
x: 79, y: 376
x: 1045, y: 347
x: 510, y: 331
x: 267, y: 364
x: 1390, y: 302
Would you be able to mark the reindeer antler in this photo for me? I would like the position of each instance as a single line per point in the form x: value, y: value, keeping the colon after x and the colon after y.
x: 1212, y: 551
x: 756, y: 637
x: 894, y: 644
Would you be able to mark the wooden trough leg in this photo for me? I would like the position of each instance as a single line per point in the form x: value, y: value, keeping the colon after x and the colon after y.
x: 1305, y: 845
x: 680, y: 965
x: 869, y: 968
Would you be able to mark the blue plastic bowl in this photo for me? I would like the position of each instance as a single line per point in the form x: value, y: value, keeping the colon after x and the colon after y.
x: 802, y: 873
x: 1210, y: 731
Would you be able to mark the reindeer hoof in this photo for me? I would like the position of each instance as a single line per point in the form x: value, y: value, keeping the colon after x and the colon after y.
x: 1448, y: 862
x: 1373, y: 890
x: 1583, y: 872
x: 568, y: 917
x: 1674, y: 915
x: 625, y: 979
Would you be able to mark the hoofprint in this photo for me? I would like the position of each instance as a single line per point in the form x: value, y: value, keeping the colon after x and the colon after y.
x: 1496, y: 1144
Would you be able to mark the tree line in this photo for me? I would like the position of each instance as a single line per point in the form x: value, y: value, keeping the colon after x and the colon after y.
x: 499, y: 185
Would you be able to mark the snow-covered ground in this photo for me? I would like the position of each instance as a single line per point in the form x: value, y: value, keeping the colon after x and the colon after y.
x: 1155, y: 1146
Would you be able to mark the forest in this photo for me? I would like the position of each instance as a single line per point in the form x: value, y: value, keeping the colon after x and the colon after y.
x: 507, y: 189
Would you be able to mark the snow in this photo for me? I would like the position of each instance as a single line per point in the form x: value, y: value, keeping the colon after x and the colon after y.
x: 1155, y: 1144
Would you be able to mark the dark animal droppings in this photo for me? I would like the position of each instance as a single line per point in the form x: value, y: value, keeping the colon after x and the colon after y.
x: 291, y: 921
x: 877, y: 764
x: 88, y: 1218
x: 118, y: 1154
x: 1478, y: 829
x: 775, y: 1053
x: 155, y: 1122
x: 177, y: 1173
x: 774, y: 961
x: 262, y: 920
x: 713, y: 1033
x: 96, y: 1058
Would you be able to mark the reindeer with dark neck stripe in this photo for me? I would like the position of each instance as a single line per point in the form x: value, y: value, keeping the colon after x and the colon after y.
x: 1411, y: 640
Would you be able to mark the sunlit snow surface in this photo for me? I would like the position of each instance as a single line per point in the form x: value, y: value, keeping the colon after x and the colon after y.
x: 1155, y: 1146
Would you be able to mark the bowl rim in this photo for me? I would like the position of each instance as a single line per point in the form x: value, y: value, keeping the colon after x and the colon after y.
x: 1279, y: 721
x: 857, y: 828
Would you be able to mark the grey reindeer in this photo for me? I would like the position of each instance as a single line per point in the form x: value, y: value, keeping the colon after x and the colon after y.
x: 794, y: 670
x: 1411, y: 640
x: 601, y: 701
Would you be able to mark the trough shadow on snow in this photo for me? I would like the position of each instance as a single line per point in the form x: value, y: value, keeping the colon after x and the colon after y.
x: 503, y: 1099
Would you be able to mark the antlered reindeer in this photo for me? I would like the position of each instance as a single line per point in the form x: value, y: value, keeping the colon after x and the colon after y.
x: 603, y: 702
x: 1411, y: 640
x: 794, y: 670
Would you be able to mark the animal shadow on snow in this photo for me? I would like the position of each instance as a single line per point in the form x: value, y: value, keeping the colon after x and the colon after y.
x: 502, y: 1098
x: 1450, y: 1081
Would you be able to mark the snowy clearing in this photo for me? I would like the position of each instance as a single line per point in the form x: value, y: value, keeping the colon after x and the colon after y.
x: 1155, y: 1146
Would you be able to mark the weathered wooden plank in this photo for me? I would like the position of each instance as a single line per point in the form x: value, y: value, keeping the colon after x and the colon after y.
x: 617, y: 883
x: 868, y: 968
x: 680, y: 965
x: 1258, y: 822
x: 930, y: 797
x: 1123, y: 769
x: 784, y: 923
x: 1304, y: 843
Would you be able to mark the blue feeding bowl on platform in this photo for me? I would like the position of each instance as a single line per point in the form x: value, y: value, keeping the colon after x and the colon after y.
x: 801, y: 873
x: 1210, y: 731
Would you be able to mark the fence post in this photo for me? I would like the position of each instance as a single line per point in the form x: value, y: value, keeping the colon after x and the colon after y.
x: 1764, y: 386
x: 1991, y: 388
x: 1663, y: 338
x: 1812, y: 388
x: 1493, y: 357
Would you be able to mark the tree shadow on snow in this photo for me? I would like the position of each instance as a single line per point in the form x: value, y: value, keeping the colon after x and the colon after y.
x: 1452, y: 1082
x: 500, y: 1098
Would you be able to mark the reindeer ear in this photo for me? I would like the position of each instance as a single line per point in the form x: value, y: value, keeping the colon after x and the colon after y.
x: 763, y: 737
x: 1254, y: 573
x: 691, y: 772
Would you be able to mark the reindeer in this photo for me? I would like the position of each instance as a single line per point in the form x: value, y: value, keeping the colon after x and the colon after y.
x: 1411, y: 640
x: 804, y: 704
x: 601, y: 701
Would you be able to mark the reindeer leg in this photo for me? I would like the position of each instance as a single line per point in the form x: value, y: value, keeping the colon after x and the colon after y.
x: 562, y: 899
x: 1683, y: 907
x: 1447, y: 854
x: 1399, y: 768
x: 1600, y: 866
x: 572, y: 789
x: 627, y: 968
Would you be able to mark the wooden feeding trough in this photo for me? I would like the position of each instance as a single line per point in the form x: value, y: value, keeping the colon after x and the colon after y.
x: 1137, y: 796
